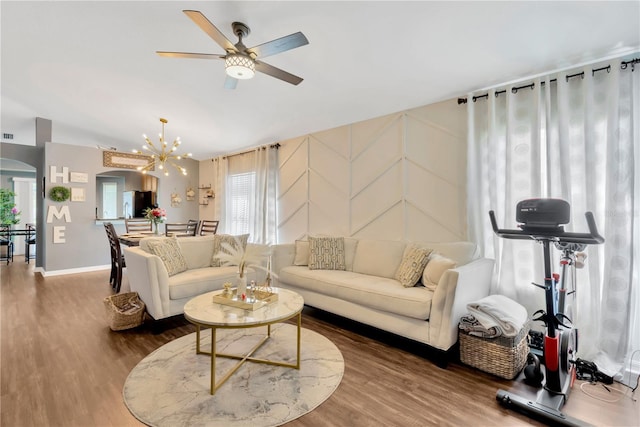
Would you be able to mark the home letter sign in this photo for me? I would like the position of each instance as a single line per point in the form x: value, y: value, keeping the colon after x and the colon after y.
x: 55, y: 174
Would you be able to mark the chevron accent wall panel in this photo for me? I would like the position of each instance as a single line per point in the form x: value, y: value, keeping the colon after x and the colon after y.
x: 398, y: 177
x: 293, y: 200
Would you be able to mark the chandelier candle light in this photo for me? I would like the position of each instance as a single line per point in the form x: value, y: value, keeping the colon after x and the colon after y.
x: 162, y: 155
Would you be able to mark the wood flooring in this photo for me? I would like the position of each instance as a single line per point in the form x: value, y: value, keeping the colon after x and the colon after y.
x: 61, y: 365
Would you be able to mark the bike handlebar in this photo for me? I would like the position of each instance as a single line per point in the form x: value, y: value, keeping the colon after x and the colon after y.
x: 555, y: 234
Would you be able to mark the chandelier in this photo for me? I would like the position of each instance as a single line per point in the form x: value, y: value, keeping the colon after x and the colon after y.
x: 162, y: 154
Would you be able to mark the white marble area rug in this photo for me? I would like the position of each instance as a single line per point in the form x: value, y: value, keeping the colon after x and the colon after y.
x: 170, y: 387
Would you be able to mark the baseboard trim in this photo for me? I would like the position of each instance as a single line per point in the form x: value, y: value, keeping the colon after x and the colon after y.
x: 74, y: 270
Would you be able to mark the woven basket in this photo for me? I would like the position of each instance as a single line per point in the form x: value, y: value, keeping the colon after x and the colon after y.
x: 502, y: 356
x: 124, y: 311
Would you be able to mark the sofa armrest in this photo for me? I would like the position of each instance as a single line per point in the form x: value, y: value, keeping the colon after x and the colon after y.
x: 282, y: 255
x: 149, y: 278
x: 457, y: 287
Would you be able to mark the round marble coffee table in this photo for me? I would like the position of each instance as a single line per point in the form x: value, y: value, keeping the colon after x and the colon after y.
x: 205, y: 313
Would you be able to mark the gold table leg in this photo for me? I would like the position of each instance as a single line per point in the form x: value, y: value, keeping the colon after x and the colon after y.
x: 243, y: 358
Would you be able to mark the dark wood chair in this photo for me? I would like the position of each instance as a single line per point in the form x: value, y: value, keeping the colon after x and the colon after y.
x: 137, y: 224
x: 182, y: 229
x: 193, y: 225
x: 29, y: 240
x: 208, y: 227
x: 5, y: 240
x: 117, y: 258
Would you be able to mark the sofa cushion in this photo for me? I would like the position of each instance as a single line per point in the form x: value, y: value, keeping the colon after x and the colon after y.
x: 375, y: 292
x: 412, y: 266
x: 229, y: 239
x: 198, y: 281
x: 169, y: 252
x: 302, y: 253
x: 326, y: 253
x: 378, y: 257
x: 434, y: 270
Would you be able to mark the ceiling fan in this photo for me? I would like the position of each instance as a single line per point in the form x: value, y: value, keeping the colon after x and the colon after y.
x: 242, y: 62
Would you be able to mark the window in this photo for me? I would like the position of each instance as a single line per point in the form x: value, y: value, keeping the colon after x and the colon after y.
x: 240, y: 190
x: 109, y: 200
x: 249, y: 201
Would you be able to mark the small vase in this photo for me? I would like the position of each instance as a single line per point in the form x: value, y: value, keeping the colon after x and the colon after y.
x: 155, y: 228
x: 242, y: 285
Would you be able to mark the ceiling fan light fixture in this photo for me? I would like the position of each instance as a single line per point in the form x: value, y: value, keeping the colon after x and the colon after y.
x: 239, y: 67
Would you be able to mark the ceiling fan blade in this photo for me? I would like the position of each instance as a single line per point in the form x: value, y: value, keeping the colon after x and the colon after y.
x: 206, y: 26
x: 190, y: 55
x: 277, y: 73
x: 230, y: 83
x: 282, y: 44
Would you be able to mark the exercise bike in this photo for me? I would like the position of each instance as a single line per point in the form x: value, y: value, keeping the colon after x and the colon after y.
x: 541, y: 220
x: 564, y: 284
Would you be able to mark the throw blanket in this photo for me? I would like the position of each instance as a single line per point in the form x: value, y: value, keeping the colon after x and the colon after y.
x: 500, y: 312
x: 470, y: 325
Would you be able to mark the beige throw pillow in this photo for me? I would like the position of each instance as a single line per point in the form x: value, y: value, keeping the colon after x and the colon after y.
x: 434, y: 270
x: 412, y: 266
x: 302, y: 253
x: 169, y: 252
x: 326, y: 253
x: 231, y: 241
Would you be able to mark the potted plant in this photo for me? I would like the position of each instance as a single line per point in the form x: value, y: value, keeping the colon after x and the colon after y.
x: 9, y: 213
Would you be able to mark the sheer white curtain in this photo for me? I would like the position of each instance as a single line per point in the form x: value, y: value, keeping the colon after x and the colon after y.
x: 220, y: 192
x: 575, y: 139
x: 250, y: 191
x: 265, y: 221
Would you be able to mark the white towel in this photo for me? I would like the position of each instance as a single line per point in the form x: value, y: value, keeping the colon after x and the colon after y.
x: 499, y: 312
x: 470, y: 325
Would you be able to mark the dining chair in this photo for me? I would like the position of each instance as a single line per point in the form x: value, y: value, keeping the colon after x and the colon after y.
x: 208, y: 227
x: 29, y: 240
x: 117, y: 258
x: 5, y: 240
x: 182, y: 229
x: 193, y: 225
x: 137, y: 224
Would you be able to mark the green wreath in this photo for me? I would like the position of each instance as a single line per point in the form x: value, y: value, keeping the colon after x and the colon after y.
x: 59, y: 194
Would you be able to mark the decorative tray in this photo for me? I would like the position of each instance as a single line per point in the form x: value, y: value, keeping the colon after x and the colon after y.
x: 258, y: 300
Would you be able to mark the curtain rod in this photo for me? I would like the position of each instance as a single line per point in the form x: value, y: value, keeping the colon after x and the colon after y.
x: 264, y: 147
x: 623, y: 66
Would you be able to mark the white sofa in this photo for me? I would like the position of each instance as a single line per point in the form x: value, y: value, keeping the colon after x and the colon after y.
x: 367, y: 292
x: 165, y: 295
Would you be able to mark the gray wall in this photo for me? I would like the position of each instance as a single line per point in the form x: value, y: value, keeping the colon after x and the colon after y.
x: 85, y: 241
x: 6, y: 177
x: 86, y: 244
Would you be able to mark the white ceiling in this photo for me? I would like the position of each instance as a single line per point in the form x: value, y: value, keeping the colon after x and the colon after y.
x: 91, y: 67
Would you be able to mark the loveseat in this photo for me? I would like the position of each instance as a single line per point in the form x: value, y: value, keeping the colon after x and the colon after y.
x: 365, y: 287
x: 168, y: 271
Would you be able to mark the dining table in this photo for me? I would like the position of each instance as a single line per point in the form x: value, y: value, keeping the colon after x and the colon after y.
x: 133, y: 239
x: 17, y: 232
